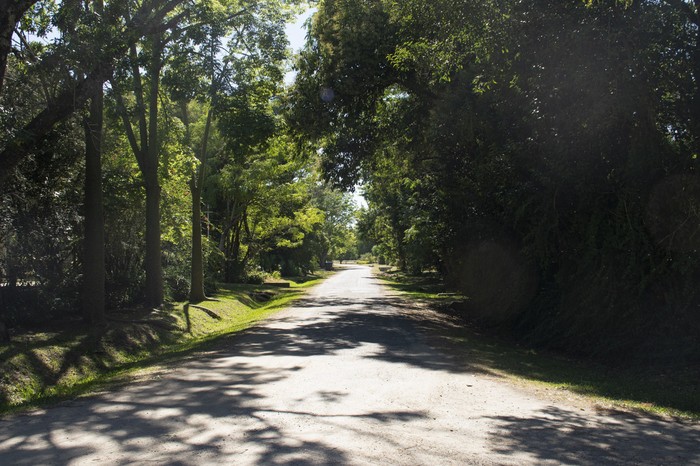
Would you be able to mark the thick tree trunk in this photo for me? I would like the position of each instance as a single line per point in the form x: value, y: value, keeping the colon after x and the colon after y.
x: 94, y: 260
x: 154, y: 269
x: 153, y: 265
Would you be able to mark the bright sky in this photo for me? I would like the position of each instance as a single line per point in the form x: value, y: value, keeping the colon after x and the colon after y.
x: 296, y: 32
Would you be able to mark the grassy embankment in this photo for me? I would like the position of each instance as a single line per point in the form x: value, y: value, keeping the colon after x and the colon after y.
x: 630, y: 386
x: 65, y: 360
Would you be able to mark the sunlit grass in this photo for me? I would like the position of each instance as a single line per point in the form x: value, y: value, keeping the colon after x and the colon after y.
x: 309, y: 280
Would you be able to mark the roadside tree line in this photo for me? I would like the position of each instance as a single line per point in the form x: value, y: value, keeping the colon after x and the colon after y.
x: 143, y: 156
x: 541, y: 156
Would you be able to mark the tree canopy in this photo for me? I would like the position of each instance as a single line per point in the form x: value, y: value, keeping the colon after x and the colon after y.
x: 144, y: 157
x: 541, y: 156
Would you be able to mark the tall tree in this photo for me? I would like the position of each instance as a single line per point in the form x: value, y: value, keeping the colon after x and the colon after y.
x: 145, y: 145
x: 538, y: 140
x: 94, y: 255
x: 237, y: 70
x: 93, y: 287
x: 690, y: 10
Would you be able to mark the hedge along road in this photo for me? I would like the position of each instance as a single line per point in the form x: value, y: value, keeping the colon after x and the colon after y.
x: 350, y: 375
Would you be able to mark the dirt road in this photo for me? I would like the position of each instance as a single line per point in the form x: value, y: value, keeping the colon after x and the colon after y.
x: 347, y: 376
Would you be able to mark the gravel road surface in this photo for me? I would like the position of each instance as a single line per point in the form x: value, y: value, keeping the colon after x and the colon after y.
x: 350, y: 375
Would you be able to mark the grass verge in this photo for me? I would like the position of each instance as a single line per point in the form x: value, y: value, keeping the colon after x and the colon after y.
x: 652, y: 389
x: 66, y: 360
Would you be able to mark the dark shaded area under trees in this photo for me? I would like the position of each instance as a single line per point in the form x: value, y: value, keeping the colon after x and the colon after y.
x: 542, y: 156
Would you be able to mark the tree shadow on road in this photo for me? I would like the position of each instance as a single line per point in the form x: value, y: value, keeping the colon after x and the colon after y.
x: 217, y: 407
x: 556, y: 436
x: 191, y: 417
x: 186, y: 406
x: 397, y: 331
x: 234, y: 390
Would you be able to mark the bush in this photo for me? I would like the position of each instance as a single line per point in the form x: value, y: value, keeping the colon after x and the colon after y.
x: 366, y: 258
x: 255, y: 276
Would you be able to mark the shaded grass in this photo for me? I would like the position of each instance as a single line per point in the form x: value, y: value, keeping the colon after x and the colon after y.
x: 60, y: 362
x: 426, y: 286
x: 648, y: 388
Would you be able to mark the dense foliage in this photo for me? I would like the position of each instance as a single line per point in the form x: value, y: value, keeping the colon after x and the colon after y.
x: 143, y: 156
x: 542, y: 156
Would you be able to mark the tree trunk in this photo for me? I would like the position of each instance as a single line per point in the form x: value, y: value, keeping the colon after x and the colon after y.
x: 197, y: 263
x: 197, y: 258
x: 94, y: 260
x: 153, y: 265
x: 235, y: 264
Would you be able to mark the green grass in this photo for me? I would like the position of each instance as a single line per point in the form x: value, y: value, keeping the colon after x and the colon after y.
x: 653, y: 389
x: 62, y: 362
x: 646, y: 389
x: 428, y: 286
x: 309, y: 280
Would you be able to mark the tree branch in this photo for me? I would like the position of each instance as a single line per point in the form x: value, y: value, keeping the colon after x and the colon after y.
x: 39, y: 128
x: 121, y: 110
x: 11, y: 11
x: 140, y: 103
x: 147, y: 21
